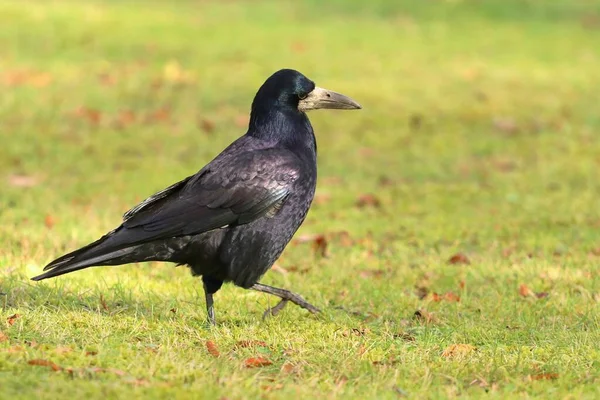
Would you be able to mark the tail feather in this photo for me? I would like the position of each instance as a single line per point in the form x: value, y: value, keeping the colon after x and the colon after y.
x: 72, y: 264
x: 98, y: 253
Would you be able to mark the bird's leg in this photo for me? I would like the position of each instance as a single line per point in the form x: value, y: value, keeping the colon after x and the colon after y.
x: 210, y: 310
x: 285, y: 296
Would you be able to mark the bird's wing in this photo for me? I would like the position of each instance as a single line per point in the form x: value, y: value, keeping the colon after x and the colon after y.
x: 232, y: 190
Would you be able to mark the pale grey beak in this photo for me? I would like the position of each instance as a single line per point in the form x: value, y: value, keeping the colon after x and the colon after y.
x: 323, y: 98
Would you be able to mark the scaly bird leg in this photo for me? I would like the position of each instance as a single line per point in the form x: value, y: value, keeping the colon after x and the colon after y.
x: 210, y: 309
x: 285, y: 296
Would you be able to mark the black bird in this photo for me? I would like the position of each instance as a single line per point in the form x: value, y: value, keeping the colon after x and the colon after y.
x: 231, y: 220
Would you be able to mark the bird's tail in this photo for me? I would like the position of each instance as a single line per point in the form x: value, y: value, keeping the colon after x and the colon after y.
x: 98, y: 253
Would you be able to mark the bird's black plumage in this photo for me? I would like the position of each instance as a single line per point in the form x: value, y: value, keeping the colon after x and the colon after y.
x: 231, y: 220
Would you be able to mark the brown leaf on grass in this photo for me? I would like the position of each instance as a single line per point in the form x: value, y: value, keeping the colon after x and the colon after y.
x: 459, y: 258
x: 332, y: 180
x: 524, y: 291
x: 271, y: 388
x: 138, y: 382
x: 541, y: 295
x: 595, y: 252
x: 103, y: 303
x: 91, y: 353
x: 506, y: 125
x: 288, y: 368
x: 421, y: 292
x: 159, y: 115
x: 44, y: 363
x: 341, y: 380
x: 370, y: 273
x: 242, y: 121
x: 12, y: 319
x: 319, y: 246
x: 545, y: 376
x: 257, y: 362
x: 206, y: 125
x: 3, y: 337
x: 458, y: 350
x: 343, y: 237
x: 27, y: 78
x: 98, y: 370
x: 368, y: 200
x: 321, y: 198
x: 448, y: 296
x: 461, y: 284
x: 63, y: 350
x: 49, y: 221
x: 250, y: 343
x: 280, y: 269
x: 24, y: 181
x: 356, y: 332
x: 212, y: 348
x: 174, y: 311
x: 298, y: 47
x: 91, y: 115
x: 407, y: 337
x: 424, y: 316
x: 385, y: 181
x: 125, y: 118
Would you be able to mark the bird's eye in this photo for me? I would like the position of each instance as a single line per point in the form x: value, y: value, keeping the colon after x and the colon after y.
x: 303, y: 96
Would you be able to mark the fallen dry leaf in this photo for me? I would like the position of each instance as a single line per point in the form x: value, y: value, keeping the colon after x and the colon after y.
x: 11, y: 320
x: 270, y: 388
x: 421, y: 292
x: 506, y: 125
x: 3, y: 337
x: 22, y: 181
x: 321, y: 198
x: 319, y: 246
x: 257, y: 362
x: 212, y: 348
x: 280, y: 269
x: 91, y: 115
x: 91, y: 353
x: 370, y: 273
x: 242, y: 121
x: 287, y: 368
x: 159, y: 115
x: 44, y: 363
x: 407, y: 337
x: 546, y: 376
x: 15, y: 349
x: 298, y: 47
x: 206, y: 125
x: 525, y: 291
x: 49, y: 221
x: 103, y: 303
x: 250, y: 343
x: 449, y: 296
x: 368, y: 200
x: 63, y: 350
x: 125, y: 118
x: 459, y: 258
x: 424, y: 316
x: 457, y: 350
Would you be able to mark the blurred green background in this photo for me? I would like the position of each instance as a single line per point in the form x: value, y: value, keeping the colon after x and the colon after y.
x: 478, y: 139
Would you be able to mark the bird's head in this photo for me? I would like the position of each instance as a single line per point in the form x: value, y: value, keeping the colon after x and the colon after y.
x: 290, y: 89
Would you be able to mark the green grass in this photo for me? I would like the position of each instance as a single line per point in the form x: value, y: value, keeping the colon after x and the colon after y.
x: 479, y: 135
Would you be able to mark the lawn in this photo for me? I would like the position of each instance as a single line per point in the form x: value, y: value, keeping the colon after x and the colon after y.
x: 453, y: 244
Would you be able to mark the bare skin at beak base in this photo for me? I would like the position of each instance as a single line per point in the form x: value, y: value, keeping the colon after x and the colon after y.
x: 324, y: 98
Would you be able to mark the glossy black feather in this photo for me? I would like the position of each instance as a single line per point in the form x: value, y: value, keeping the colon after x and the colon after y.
x: 232, y: 219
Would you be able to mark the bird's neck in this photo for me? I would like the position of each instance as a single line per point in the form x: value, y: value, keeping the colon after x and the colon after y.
x: 290, y: 128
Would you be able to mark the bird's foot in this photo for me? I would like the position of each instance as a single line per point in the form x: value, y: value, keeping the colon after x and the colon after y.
x: 286, y: 296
